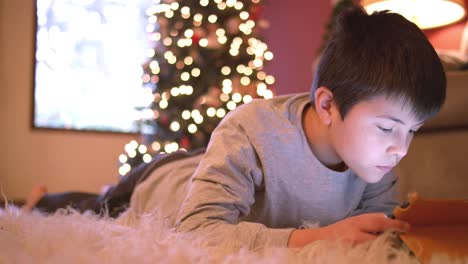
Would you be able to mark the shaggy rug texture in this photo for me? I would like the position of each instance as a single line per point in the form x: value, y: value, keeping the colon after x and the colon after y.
x: 70, y: 237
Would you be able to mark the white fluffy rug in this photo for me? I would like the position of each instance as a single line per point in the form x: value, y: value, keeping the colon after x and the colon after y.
x: 85, y: 238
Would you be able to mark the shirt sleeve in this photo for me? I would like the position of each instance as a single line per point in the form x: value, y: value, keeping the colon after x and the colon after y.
x: 380, y: 197
x: 223, y: 190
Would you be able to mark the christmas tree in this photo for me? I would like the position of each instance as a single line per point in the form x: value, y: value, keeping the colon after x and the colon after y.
x: 208, y: 58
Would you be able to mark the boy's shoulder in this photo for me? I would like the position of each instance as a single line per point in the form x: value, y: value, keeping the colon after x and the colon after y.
x: 281, y: 113
x: 279, y: 105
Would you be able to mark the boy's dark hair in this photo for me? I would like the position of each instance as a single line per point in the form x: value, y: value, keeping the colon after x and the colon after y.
x: 380, y: 54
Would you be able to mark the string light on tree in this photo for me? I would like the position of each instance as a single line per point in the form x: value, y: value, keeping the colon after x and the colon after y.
x: 207, y: 59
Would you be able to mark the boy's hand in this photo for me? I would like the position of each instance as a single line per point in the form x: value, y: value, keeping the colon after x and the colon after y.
x: 354, y: 230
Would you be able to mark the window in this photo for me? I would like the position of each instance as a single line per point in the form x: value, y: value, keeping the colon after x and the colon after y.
x: 88, y: 64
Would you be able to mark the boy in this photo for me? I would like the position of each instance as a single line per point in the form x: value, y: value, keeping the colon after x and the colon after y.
x: 326, y: 157
x: 273, y: 164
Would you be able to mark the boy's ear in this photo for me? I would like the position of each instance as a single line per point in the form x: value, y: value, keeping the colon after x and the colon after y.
x: 323, y: 104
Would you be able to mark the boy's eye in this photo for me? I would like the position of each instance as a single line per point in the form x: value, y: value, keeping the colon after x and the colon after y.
x: 385, y: 130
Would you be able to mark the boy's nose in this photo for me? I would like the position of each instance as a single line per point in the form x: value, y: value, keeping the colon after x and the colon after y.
x: 399, y: 149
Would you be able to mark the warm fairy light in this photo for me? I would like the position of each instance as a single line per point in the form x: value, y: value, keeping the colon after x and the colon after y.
x: 174, y: 33
x: 261, y: 75
x: 244, y: 15
x: 175, y: 126
x: 222, y: 39
x: 247, y: 99
x: 195, y: 72
x: 163, y: 104
x: 255, y: 1
x: 237, y: 41
x: 234, y: 52
x: 185, y: 76
x: 248, y: 71
x: 167, y: 41
x: 169, y: 14
x: 123, y: 158
x: 185, y: 10
x: 145, y: 78
x: 186, y: 114
x: 245, y: 80
x: 237, y: 97
x: 188, y: 60
x: 132, y: 154
x: 186, y: 89
x: 268, y: 94
x: 171, y: 147
x: 165, y: 95
x: 142, y: 149
x: 268, y: 55
x: 231, y: 3
x: 168, y: 54
x: 147, y: 158
x: 225, y: 70
x: 172, y: 60
x: 240, y: 68
x: 231, y: 105
x: 198, y: 17
x: 224, y: 97
x: 174, y: 5
x: 156, y: 146
x: 189, y: 90
x: 220, y: 32
x: 124, y: 169
x: 154, y: 68
x: 220, y: 113
x: 222, y: 6
x: 258, y: 63
x: 270, y: 80
x: 204, y: 2
x: 238, y: 5
x: 195, y: 113
x: 227, y: 89
x: 250, y: 50
x: 192, y: 128
x: 203, y: 42
x: 227, y: 82
x: 188, y: 33
x: 250, y: 23
x: 217, y: 1
x: 180, y: 65
x: 183, y: 42
x: 212, y: 18
x: 156, y: 36
x: 133, y: 144
x: 175, y: 91
x: 211, y: 112
x: 198, y: 119
x: 261, y: 88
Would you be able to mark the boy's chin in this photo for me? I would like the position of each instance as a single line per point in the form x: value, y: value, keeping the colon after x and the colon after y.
x: 371, y: 177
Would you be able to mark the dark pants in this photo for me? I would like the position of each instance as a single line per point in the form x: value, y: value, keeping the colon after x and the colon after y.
x: 117, y: 198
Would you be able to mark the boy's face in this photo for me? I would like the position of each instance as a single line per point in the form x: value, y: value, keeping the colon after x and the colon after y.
x: 374, y: 136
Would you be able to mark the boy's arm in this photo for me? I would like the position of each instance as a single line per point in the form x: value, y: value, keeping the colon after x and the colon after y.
x: 353, y: 230
x: 223, y: 190
x: 379, y: 197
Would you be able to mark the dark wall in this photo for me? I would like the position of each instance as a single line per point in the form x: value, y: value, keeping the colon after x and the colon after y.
x: 294, y: 37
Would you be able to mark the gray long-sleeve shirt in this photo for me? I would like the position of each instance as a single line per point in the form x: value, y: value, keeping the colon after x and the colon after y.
x: 258, y: 180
